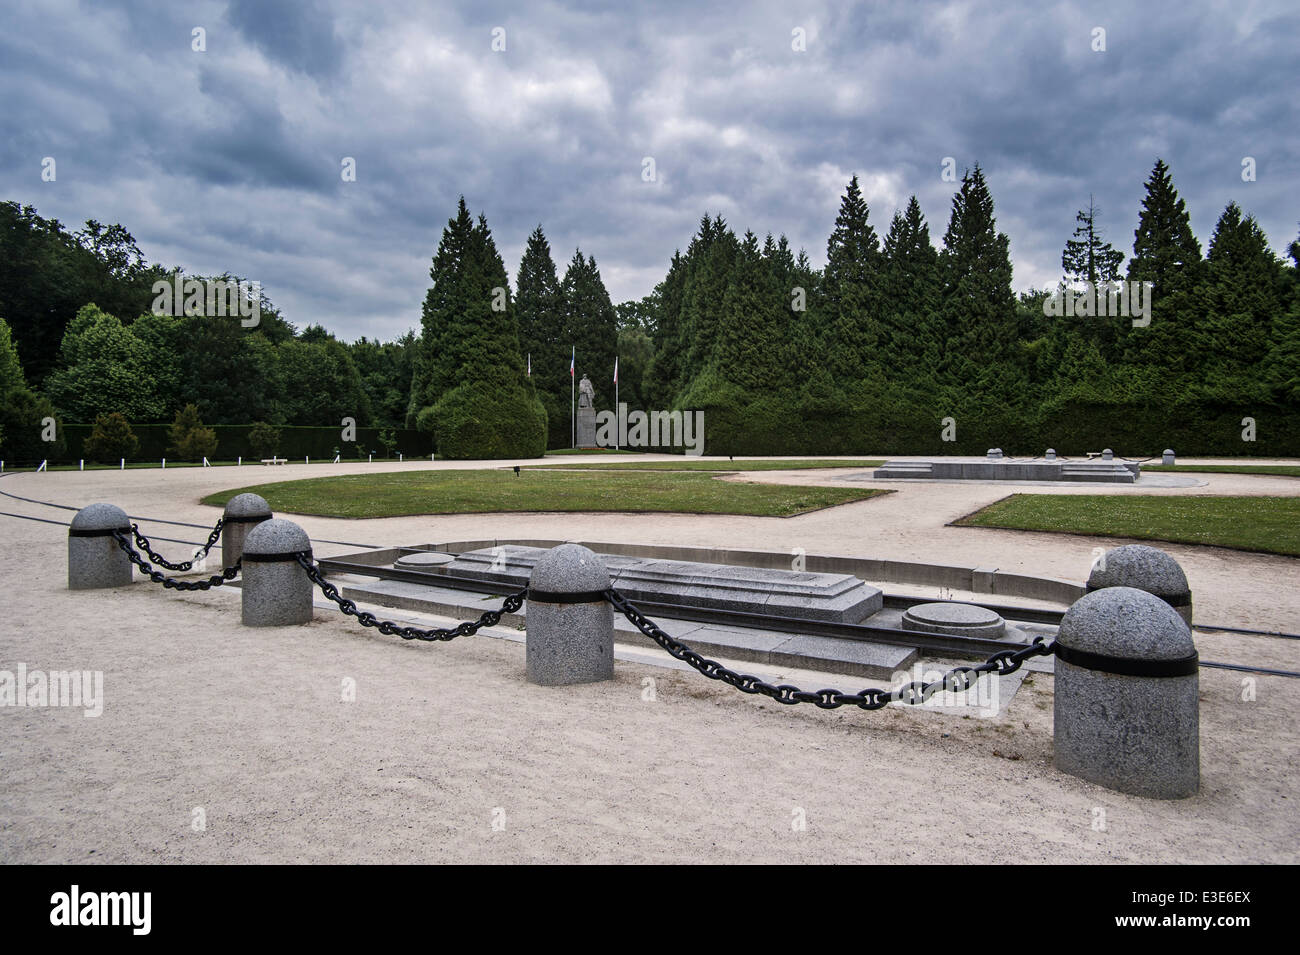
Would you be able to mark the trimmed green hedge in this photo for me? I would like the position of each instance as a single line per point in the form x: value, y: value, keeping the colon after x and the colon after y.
x: 476, y: 420
x: 1072, y: 428
x: 766, y: 427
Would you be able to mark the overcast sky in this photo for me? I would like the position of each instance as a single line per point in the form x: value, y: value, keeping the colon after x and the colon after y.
x: 231, y: 158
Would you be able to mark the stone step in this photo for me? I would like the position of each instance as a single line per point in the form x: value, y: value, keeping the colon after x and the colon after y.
x: 904, y: 470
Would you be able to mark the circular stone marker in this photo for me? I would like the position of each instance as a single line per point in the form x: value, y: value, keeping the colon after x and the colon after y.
x: 423, y: 559
x: 960, y: 619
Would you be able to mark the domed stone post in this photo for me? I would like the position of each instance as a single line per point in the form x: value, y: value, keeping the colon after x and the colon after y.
x: 1167, y: 457
x: 243, y: 513
x: 1126, y: 709
x: 1146, y: 568
x: 570, y: 624
x: 276, y: 591
x: 94, y: 558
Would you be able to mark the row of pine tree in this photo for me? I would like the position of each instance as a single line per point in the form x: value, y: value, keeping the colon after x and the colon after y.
x: 894, y: 338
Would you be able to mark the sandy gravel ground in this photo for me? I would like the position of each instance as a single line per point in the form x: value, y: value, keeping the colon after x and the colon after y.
x: 448, y: 754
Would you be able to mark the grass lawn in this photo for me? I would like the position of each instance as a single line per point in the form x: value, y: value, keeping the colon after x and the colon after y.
x: 474, y: 492
x: 1286, y: 470
x: 694, y: 464
x: 1268, y: 524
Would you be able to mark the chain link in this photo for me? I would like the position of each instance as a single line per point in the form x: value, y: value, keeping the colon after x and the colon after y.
x: 201, y: 554
x: 955, y: 680
x: 367, y: 619
x: 216, y: 580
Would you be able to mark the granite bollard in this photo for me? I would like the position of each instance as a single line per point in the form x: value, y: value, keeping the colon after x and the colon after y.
x: 276, y: 591
x: 1167, y: 457
x: 94, y: 558
x: 570, y: 624
x: 1146, y: 568
x: 243, y: 513
x: 1125, y: 709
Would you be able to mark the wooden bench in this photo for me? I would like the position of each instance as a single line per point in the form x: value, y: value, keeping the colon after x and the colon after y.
x: 275, y: 460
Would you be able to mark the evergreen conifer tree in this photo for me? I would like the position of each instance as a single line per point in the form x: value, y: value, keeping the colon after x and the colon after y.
x: 470, y: 389
x: 590, y: 326
x: 1088, y: 257
x: 1166, y: 254
x: 539, y: 306
x: 978, y: 306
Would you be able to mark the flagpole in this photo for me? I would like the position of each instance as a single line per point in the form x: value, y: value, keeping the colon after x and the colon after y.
x: 618, y: 443
x: 573, y: 414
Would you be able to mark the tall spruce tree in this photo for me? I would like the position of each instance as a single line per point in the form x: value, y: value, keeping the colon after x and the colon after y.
x: 471, y: 390
x: 978, y: 306
x: 1166, y: 254
x: 913, y: 335
x: 793, y: 289
x: 850, y: 296
x: 741, y: 361
x: 1241, y: 298
x: 539, y: 306
x: 663, y: 371
x: 741, y: 389
x: 706, y: 285
x: 1088, y: 257
x: 444, y: 305
x: 590, y: 326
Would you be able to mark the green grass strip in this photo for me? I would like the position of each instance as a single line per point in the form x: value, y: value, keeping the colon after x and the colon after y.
x: 1270, y: 525
x: 500, y: 490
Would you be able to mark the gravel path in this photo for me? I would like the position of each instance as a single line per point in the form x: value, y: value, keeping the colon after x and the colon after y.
x: 443, y: 741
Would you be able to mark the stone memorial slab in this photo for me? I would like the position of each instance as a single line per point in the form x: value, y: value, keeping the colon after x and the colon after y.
x: 840, y: 598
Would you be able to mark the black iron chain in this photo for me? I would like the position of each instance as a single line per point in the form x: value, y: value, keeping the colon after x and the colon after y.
x: 158, y: 559
x: 367, y: 619
x: 955, y: 680
x: 216, y: 580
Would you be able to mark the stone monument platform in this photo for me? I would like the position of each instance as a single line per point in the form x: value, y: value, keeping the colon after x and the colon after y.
x: 838, y: 598
x: 997, y: 469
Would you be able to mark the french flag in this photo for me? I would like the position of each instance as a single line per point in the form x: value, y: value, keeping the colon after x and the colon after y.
x: 571, y: 359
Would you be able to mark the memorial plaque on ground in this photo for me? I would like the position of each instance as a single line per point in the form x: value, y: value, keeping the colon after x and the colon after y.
x: 840, y: 598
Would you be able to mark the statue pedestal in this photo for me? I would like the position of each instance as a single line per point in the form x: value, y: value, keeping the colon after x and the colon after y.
x: 586, y: 426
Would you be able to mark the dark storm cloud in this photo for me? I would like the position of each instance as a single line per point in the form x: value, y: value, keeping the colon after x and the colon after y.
x: 230, y: 159
x: 299, y: 34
